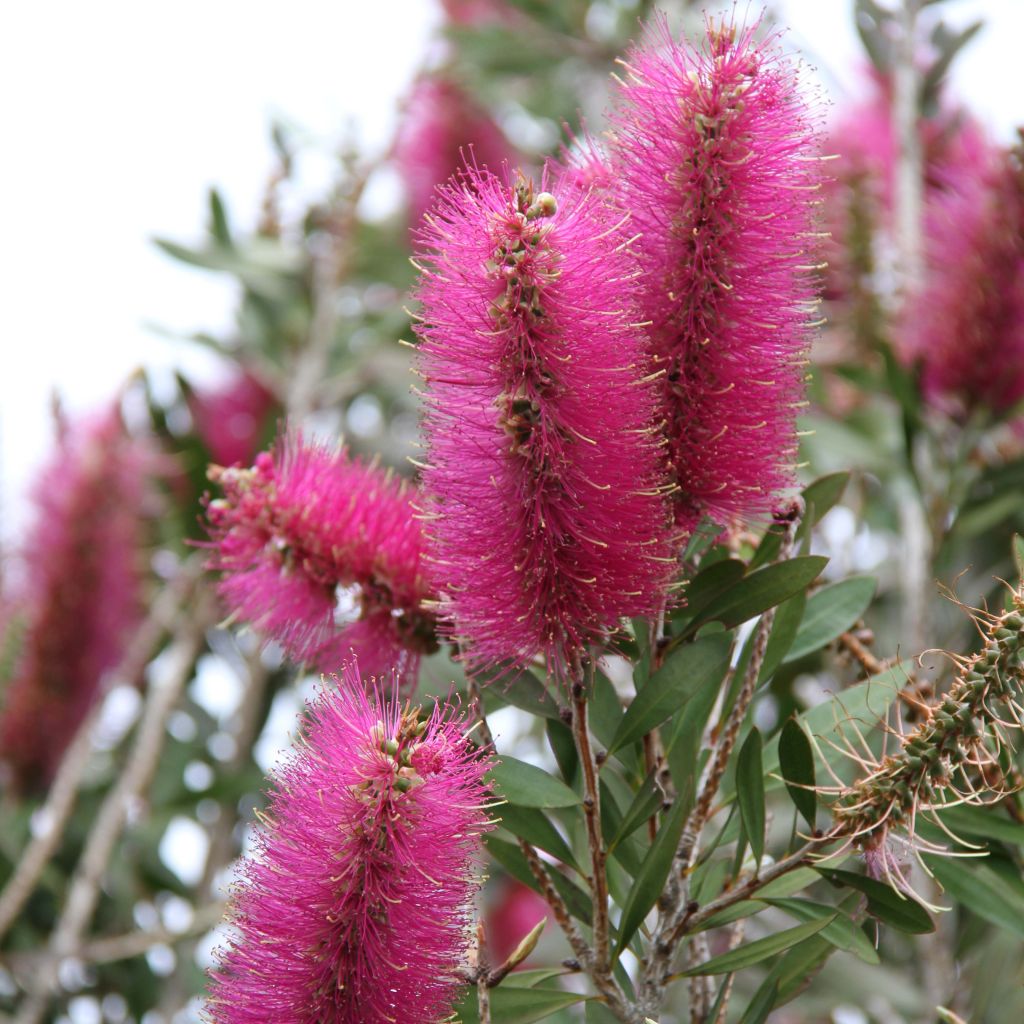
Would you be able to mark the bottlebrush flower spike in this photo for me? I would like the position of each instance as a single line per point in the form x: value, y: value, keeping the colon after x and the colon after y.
x: 542, y: 476
x: 715, y: 154
x: 951, y: 758
x: 230, y: 420
x: 78, y: 600
x: 966, y: 325
x: 356, y: 906
x: 309, y: 536
x: 439, y: 123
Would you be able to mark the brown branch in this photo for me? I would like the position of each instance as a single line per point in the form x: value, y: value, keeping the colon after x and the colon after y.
x: 861, y: 654
x: 606, y: 984
x: 592, y: 814
x: 483, y: 991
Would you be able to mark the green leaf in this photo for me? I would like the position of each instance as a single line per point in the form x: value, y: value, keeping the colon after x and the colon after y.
x: 840, y: 931
x: 683, y: 743
x: 528, y: 786
x: 524, y: 691
x: 788, y: 617
x: 831, y: 612
x: 533, y: 825
x: 712, y: 581
x: 532, y: 977
x: 861, y: 707
x: 604, y: 711
x: 688, y: 668
x: 512, y: 859
x: 754, y: 952
x: 983, y: 823
x: 1018, y: 553
x: 759, y: 591
x: 517, y: 1005
x: 647, y: 800
x: 650, y: 880
x: 750, y: 792
x: 785, y: 885
x: 796, y: 762
x: 219, y: 228
x: 563, y: 746
x: 980, y: 889
x: 824, y: 493
x: 889, y: 906
x: 762, y: 1003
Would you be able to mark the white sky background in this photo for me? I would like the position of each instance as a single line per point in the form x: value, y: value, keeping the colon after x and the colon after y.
x: 116, y: 116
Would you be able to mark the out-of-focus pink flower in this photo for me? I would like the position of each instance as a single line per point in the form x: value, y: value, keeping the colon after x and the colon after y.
x: 479, y: 12
x: 860, y: 187
x: 518, y: 909
x: 79, y: 600
x: 716, y: 158
x: 543, y: 481
x: 322, y: 553
x: 440, y: 127
x: 965, y: 326
x: 231, y: 420
x: 356, y: 907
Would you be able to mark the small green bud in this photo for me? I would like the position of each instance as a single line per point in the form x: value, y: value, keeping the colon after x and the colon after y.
x: 544, y: 205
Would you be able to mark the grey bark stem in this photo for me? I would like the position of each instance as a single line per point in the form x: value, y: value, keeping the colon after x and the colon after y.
x: 674, y: 910
x: 133, y: 781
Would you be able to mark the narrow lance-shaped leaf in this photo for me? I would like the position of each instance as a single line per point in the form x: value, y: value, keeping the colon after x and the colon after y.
x: 651, y: 878
x: 689, y: 668
x: 760, y: 591
x: 750, y: 792
x: 514, y: 1005
x: 796, y: 762
x: 528, y: 786
x: 531, y: 824
x: 754, y: 952
x: 830, y: 612
x: 885, y: 903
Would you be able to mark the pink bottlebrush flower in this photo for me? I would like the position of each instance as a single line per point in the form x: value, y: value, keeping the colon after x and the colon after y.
x: 309, y: 536
x: 356, y: 907
x: 230, y: 420
x: 79, y: 599
x: 440, y: 123
x: 543, y: 468
x: 715, y: 155
x: 966, y: 324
